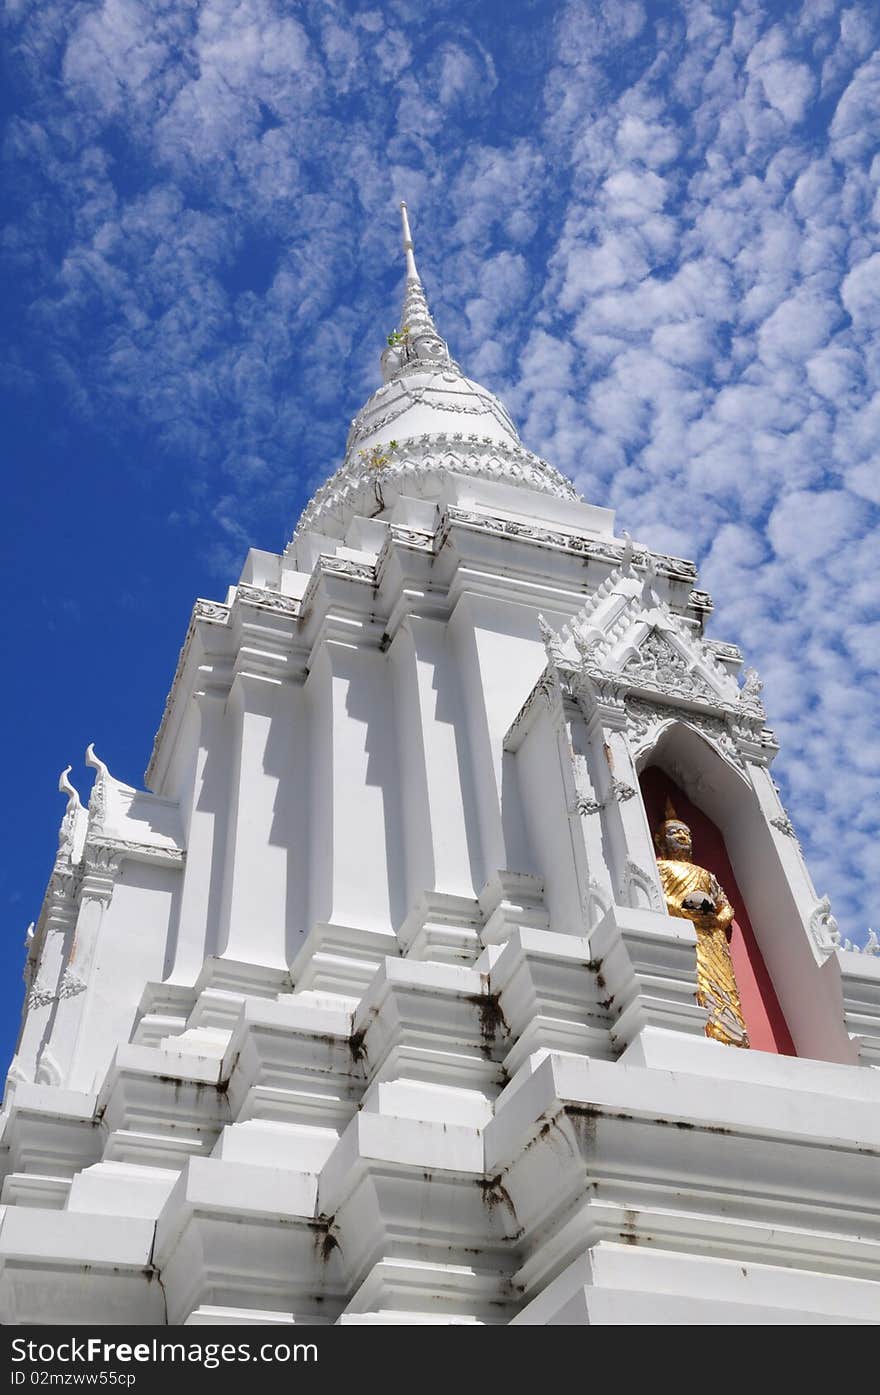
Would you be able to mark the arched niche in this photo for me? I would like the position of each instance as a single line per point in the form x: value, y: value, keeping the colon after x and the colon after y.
x: 792, y: 1002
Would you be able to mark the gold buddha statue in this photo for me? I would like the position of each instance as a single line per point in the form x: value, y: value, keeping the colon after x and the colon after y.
x: 694, y: 894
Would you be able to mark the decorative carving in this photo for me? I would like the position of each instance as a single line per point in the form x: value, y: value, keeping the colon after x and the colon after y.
x: 721, y: 650
x: 586, y: 643
x: 870, y: 947
x: 98, y: 799
x: 441, y: 387
x: 344, y: 566
x: 71, y: 985
x: 677, y: 568
x: 622, y: 556
x: 63, y: 882
x: 597, y: 901
x: 785, y: 825
x: 552, y: 643
x: 545, y: 690
x: 352, y: 489
x: 750, y: 696
x: 643, y: 715
x: 39, y: 997
x: 74, y: 803
x: 823, y: 926
x: 660, y: 666
x: 48, y: 1071
x: 621, y: 791
x: 268, y: 600
x: 584, y: 803
x: 701, y: 601
x: 213, y: 612
x: 594, y: 688
x: 411, y: 537
x: 752, y: 686
x: 105, y: 854
x: 627, y: 555
x: 102, y: 855
x: 638, y: 888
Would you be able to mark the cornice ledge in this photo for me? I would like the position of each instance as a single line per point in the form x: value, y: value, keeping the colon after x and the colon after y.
x: 611, y: 552
x: 545, y: 694
x: 203, y: 612
x: 616, y: 685
x: 702, y: 602
x: 363, y: 573
x: 109, y: 848
x: 262, y: 599
x: 722, y: 650
x: 408, y: 539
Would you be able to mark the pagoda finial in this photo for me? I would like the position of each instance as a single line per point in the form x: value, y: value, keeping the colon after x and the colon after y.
x: 415, y: 346
x: 412, y: 271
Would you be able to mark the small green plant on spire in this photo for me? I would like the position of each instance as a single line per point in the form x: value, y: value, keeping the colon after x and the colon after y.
x: 398, y: 336
x: 376, y: 457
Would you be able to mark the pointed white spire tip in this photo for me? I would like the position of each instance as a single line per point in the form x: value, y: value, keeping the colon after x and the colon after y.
x: 412, y: 273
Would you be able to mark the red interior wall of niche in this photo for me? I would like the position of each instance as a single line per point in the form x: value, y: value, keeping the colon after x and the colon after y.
x: 767, y: 1027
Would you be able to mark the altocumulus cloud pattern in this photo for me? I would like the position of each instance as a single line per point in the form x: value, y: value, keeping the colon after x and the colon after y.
x: 652, y: 229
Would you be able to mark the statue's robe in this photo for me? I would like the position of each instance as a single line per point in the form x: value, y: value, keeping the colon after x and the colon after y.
x: 716, y: 984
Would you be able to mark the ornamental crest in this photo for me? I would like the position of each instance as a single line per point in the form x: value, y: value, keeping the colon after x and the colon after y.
x: 627, y: 651
x: 659, y: 665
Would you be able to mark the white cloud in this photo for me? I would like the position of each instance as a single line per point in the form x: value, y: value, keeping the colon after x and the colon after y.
x: 808, y: 524
x: 788, y: 87
x: 797, y: 327
x: 860, y: 293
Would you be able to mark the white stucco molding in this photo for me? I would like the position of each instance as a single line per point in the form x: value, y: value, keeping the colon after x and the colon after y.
x: 695, y: 1138
x: 860, y: 984
x: 358, y: 487
x: 645, y: 961
x: 550, y: 996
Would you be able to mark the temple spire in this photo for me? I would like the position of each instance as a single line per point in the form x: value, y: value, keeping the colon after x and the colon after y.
x: 415, y: 346
x: 412, y: 273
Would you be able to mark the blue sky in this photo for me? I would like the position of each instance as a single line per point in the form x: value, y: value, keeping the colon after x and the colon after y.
x: 653, y: 229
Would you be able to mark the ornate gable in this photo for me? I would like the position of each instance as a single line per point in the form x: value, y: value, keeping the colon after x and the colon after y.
x: 626, y: 649
x: 659, y: 665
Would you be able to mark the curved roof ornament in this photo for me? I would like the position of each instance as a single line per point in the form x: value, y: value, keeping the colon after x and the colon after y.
x: 98, y: 797
x: 95, y: 761
x: 65, y: 787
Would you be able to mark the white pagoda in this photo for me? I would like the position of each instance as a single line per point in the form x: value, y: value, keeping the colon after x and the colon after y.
x: 460, y: 963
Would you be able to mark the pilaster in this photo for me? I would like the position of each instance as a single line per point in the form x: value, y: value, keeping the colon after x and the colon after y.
x: 78, y: 990
x: 440, y: 829
x: 616, y: 801
x: 261, y: 711
x: 207, y: 820
x: 357, y: 873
